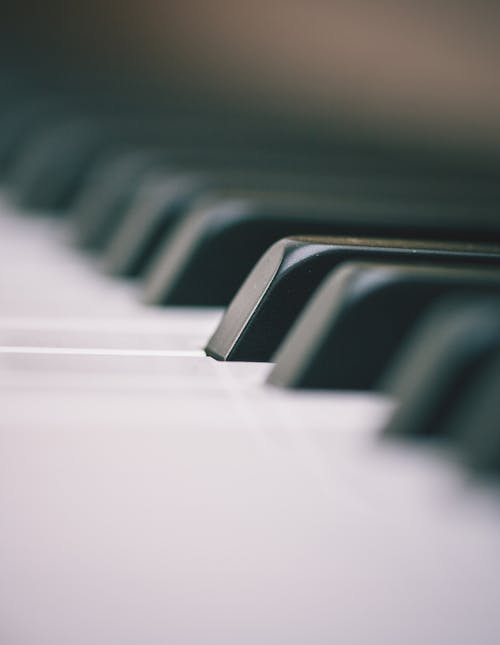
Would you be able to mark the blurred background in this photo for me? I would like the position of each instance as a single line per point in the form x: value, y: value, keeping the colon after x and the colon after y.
x: 410, y: 71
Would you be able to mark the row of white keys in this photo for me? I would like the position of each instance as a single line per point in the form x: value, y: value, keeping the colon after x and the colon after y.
x: 149, y: 494
x: 52, y: 297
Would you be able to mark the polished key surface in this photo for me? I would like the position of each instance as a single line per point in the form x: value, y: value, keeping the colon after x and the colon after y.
x: 278, y: 288
x: 215, y: 245
x: 358, y: 318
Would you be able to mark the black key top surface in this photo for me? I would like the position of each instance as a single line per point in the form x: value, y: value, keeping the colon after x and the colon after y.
x: 213, y: 248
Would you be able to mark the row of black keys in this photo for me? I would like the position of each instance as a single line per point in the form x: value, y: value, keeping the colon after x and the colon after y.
x: 191, y: 206
x: 397, y: 318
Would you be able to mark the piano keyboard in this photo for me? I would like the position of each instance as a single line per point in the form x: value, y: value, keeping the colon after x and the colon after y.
x: 152, y: 494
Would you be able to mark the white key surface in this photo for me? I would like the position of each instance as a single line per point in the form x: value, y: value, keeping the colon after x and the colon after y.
x: 151, y: 495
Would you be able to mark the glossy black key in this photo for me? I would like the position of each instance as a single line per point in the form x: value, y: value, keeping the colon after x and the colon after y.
x: 278, y: 288
x: 108, y: 190
x: 439, y: 363
x: 54, y: 164
x: 156, y: 206
x: 23, y: 119
x: 123, y: 182
x: 49, y: 173
x: 117, y: 203
x: 213, y: 248
x: 162, y: 199
x: 477, y: 423
x: 356, y: 321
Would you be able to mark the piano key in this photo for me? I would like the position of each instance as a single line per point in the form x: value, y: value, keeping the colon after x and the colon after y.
x: 153, y: 211
x: 358, y: 318
x: 48, y: 175
x: 22, y: 120
x: 438, y: 363
x: 102, y: 208
x: 182, y: 190
x: 43, y: 164
x: 54, y: 163
x: 129, y: 454
x: 131, y: 457
x: 108, y: 189
x: 258, y: 165
x: 156, y: 206
x: 34, y: 114
x: 475, y: 424
x: 278, y: 288
x: 48, y: 281
x: 214, y: 246
x: 173, y: 330
x: 149, y: 479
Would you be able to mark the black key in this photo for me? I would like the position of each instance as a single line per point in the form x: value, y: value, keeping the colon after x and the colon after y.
x: 123, y: 183
x: 24, y: 119
x: 104, y: 208
x: 48, y: 174
x: 164, y: 199
x: 439, y: 363
x: 477, y: 422
x: 156, y: 207
x: 55, y: 164
x: 213, y: 248
x: 278, y: 288
x: 356, y: 321
x: 108, y: 191
x: 161, y: 200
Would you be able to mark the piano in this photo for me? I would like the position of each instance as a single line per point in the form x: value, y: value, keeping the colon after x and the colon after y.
x: 249, y: 354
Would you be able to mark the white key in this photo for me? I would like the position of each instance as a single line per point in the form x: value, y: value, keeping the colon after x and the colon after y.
x: 153, y: 495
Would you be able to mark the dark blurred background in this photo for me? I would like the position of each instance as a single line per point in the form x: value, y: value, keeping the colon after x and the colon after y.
x: 423, y: 71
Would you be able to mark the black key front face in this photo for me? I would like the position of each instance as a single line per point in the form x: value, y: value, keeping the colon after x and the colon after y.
x: 110, y: 188
x: 24, y: 120
x: 358, y: 318
x: 213, y: 248
x: 155, y: 209
x: 439, y: 363
x: 50, y: 172
x: 278, y: 288
x: 476, y: 423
